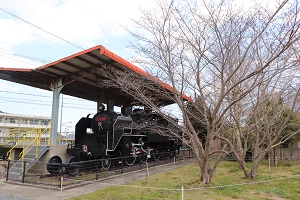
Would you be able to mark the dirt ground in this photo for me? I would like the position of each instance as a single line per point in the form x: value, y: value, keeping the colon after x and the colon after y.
x: 26, y: 191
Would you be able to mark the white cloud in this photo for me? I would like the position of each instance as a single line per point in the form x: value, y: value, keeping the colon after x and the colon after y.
x: 84, y: 23
x: 75, y: 20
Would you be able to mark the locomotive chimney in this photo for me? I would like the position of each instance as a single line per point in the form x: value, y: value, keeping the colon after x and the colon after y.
x: 110, y: 105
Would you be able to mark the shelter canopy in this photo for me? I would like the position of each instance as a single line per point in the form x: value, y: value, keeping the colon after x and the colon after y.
x: 82, y: 76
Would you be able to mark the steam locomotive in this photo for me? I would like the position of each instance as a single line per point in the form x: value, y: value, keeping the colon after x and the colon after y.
x: 131, y: 134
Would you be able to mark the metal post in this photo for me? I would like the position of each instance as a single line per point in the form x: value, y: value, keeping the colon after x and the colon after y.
x: 61, y: 186
x: 97, y: 169
x: 7, y: 171
x: 62, y: 169
x: 140, y: 163
x: 23, y: 175
x: 147, y: 168
x: 166, y: 156
x: 122, y: 166
x: 175, y: 159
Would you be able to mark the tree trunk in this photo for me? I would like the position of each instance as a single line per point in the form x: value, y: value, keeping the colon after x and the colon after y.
x: 291, y: 145
x: 271, y: 156
x: 257, y: 159
x: 254, y: 168
x: 205, y: 172
x: 242, y: 164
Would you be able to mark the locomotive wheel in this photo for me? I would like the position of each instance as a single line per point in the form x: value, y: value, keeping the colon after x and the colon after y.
x: 106, y: 162
x: 73, y: 166
x: 144, y: 157
x: 130, y: 160
x: 156, y: 155
x: 54, y: 165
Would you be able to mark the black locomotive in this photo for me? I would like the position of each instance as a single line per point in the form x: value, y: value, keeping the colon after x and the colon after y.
x: 130, y: 134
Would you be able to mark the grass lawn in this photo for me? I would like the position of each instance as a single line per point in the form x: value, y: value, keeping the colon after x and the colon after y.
x: 229, y: 182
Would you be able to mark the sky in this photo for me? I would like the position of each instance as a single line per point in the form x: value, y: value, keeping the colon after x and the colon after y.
x: 36, y: 32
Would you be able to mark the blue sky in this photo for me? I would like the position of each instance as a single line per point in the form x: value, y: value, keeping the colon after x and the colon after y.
x: 83, y: 23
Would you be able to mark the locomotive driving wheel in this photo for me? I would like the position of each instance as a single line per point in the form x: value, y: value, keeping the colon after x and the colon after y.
x: 156, y: 155
x: 54, y: 165
x: 130, y: 160
x: 144, y: 157
x: 73, y: 166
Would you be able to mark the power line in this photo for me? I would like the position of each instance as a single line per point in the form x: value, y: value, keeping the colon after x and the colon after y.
x: 23, y: 49
x: 19, y: 60
x: 21, y: 100
x: 36, y: 95
x: 41, y: 104
x: 56, y: 36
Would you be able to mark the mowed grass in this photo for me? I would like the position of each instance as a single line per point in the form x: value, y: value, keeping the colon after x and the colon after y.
x: 282, y: 182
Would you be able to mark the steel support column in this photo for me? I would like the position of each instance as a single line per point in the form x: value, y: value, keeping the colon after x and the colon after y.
x: 56, y: 87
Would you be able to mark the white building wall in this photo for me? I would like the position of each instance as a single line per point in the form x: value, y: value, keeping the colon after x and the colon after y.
x: 22, y: 122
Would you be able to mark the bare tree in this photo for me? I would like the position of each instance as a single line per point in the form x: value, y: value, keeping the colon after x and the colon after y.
x: 272, y: 121
x: 266, y: 120
x: 215, y: 51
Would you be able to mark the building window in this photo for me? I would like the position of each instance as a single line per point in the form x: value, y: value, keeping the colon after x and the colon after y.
x: 45, y: 122
x: 25, y: 121
x: 12, y: 120
x: 0, y: 119
x: 34, y: 121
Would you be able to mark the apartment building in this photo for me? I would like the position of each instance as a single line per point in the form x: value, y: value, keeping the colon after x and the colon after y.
x: 16, y: 125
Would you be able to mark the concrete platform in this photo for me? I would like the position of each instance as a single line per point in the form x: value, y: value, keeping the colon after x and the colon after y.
x: 27, y: 192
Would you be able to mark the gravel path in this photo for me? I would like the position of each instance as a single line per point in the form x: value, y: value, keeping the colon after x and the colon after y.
x: 9, y: 198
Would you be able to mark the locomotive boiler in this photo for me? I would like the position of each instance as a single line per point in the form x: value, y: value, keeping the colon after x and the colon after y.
x: 130, y: 134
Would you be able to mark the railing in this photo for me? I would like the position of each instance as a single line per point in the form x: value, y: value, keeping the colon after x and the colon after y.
x: 13, y: 135
x: 36, y: 142
x: 93, y: 170
x: 32, y: 136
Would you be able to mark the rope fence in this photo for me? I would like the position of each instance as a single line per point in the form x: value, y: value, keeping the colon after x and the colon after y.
x: 189, y: 189
x: 91, y: 176
x: 183, y: 189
